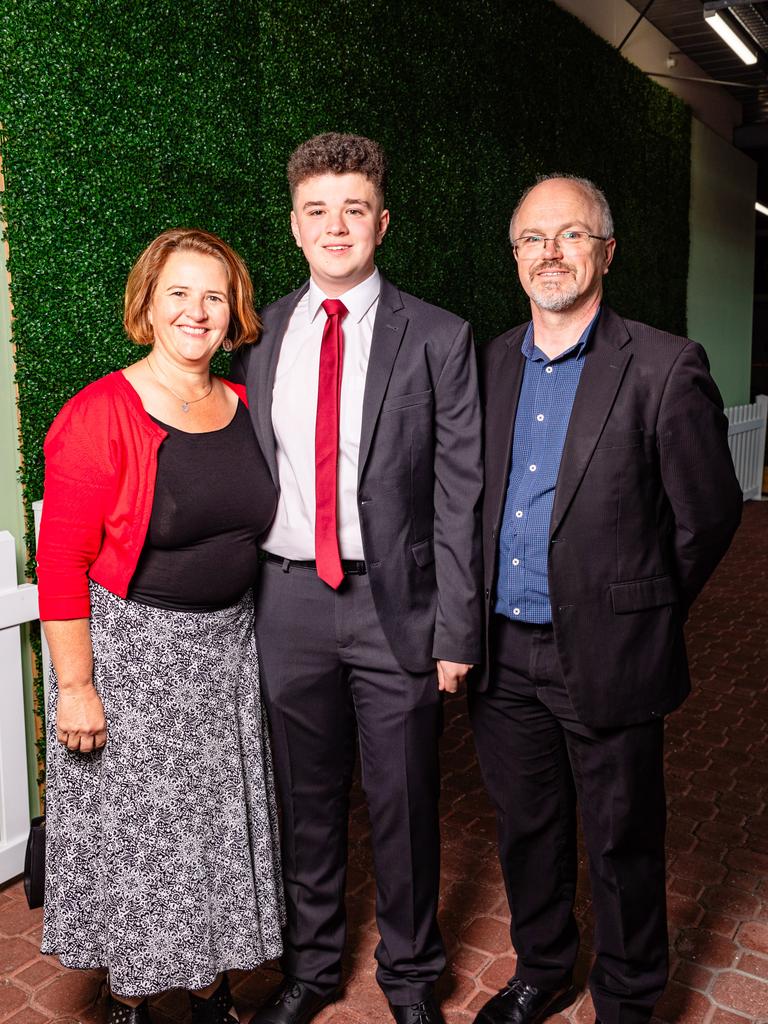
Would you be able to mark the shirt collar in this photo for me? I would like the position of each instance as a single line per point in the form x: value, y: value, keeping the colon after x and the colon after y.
x: 530, y: 351
x: 358, y: 300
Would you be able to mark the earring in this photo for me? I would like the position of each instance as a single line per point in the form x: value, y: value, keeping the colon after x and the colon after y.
x: 227, y: 345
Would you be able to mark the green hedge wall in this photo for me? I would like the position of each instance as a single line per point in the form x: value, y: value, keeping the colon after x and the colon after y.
x: 124, y: 117
x: 121, y: 118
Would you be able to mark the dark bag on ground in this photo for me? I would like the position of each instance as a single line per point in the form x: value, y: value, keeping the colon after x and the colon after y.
x: 34, y: 864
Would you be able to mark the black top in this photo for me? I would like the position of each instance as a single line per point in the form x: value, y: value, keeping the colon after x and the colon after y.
x: 213, y: 499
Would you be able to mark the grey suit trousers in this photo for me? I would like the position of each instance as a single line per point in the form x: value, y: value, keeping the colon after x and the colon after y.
x: 331, y: 683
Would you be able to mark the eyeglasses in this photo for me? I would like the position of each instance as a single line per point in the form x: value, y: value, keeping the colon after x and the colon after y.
x: 530, y: 246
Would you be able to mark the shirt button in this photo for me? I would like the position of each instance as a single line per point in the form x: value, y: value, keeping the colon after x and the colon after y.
x: 548, y: 369
x: 515, y: 611
x: 540, y: 417
x: 519, y: 514
x: 532, y: 467
x: 515, y: 561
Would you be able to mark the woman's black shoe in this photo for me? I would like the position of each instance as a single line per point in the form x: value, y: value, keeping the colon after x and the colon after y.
x: 215, y: 1009
x: 121, y: 1013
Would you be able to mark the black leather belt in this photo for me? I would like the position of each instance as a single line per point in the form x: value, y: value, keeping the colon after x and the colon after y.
x: 348, y: 567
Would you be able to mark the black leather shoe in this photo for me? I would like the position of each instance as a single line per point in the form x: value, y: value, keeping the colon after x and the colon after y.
x: 427, y: 1012
x: 293, y: 1003
x: 121, y: 1013
x: 519, y: 1003
x: 215, y: 1009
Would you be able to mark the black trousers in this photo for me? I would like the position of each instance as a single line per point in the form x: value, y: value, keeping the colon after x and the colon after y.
x: 537, y: 760
x: 331, y: 682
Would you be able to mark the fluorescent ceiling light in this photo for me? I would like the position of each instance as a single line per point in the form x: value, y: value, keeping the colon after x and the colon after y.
x: 761, y: 209
x: 727, y: 34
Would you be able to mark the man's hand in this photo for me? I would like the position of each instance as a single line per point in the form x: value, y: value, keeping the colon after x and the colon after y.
x: 450, y: 675
x: 80, y: 721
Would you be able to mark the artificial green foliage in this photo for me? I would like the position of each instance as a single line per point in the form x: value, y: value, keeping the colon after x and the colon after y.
x: 124, y: 117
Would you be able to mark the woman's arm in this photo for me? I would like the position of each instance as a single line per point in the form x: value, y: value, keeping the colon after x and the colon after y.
x: 80, y: 721
x: 79, y: 478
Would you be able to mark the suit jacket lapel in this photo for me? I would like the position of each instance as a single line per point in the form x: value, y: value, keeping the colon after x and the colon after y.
x: 388, y: 331
x: 606, y: 361
x: 275, y: 326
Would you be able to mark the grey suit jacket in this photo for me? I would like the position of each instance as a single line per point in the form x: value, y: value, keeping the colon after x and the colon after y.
x: 419, y: 475
x: 646, y: 504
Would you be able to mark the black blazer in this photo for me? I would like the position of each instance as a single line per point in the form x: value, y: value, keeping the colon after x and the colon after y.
x: 420, y: 471
x: 646, y: 504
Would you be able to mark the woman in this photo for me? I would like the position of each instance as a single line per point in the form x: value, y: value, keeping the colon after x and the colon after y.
x: 162, y: 849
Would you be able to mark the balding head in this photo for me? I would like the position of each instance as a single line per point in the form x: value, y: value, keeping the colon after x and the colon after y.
x: 603, y: 218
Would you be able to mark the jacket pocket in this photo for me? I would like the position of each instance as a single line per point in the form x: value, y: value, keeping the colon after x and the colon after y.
x: 406, y: 401
x: 639, y: 595
x: 620, y: 439
x: 424, y: 552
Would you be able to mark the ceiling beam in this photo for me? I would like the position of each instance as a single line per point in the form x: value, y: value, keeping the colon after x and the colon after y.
x: 639, y: 18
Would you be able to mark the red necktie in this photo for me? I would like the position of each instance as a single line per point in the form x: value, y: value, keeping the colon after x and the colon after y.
x: 327, y: 445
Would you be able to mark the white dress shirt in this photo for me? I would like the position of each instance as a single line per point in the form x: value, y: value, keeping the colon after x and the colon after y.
x: 294, y: 410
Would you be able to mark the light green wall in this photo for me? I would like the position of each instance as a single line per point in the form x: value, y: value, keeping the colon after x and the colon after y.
x: 722, y: 256
x: 11, y: 513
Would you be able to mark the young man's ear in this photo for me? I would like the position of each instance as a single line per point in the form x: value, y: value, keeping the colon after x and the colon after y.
x: 295, y: 229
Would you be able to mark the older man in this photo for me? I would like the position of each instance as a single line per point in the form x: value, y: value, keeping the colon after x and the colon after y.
x: 610, y: 498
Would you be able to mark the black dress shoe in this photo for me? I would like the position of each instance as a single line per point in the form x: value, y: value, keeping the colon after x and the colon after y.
x: 121, y: 1013
x: 519, y: 1003
x: 215, y: 1009
x: 293, y: 1003
x: 427, y: 1012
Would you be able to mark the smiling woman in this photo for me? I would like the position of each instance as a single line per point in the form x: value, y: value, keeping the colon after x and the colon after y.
x: 189, y: 317
x: 162, y: 860
x: 190, y: 303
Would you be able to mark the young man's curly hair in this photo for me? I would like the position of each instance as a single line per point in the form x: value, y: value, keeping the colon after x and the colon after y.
x: 338, y: 153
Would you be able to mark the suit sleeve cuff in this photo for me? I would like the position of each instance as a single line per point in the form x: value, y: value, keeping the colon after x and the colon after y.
x: 460, y: 655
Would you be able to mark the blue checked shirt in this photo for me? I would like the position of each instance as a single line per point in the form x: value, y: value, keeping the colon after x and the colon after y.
x: 546, y: 399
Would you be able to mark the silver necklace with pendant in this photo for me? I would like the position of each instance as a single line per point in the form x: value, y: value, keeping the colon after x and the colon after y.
x: 185, y: 403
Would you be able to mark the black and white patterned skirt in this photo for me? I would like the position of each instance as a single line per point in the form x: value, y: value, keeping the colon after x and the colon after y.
x: 162, y: 853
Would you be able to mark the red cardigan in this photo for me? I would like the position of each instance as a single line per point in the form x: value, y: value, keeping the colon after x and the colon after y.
x: 100, y: 470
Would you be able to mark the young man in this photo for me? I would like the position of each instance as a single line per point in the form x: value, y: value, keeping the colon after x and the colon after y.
x: 610, y: 498
x: 365, y: 402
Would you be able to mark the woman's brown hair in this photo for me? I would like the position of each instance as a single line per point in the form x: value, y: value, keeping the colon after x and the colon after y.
x: 244, y: 323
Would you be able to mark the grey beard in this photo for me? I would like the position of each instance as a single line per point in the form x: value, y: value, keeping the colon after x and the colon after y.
x: 556, y: 301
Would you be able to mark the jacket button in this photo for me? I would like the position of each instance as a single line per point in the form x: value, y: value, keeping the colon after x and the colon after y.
x: 487, y: 593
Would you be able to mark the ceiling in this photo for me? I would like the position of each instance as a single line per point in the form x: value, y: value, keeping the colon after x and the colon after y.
x: 682, y: 22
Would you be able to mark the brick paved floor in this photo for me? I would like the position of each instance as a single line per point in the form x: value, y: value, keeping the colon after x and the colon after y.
x: 717, y: 757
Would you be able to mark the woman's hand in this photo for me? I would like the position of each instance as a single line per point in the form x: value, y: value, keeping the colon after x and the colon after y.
x: 80, y: 721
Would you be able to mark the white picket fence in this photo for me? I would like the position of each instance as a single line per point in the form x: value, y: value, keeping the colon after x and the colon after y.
x: 18, y: 605
x: 746, y: 440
